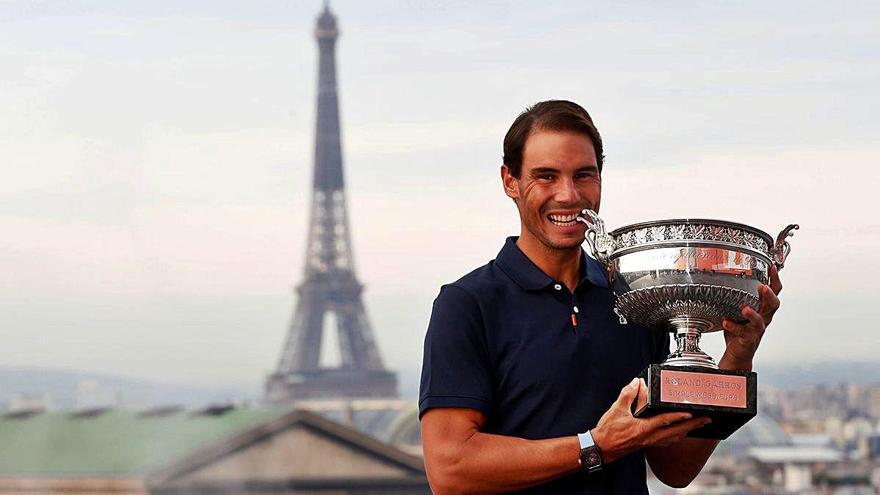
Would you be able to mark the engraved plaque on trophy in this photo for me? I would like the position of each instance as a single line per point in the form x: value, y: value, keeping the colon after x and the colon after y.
x: 685, y: 276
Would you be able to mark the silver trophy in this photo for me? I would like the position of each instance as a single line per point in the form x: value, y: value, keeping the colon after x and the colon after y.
x: 686, y: 276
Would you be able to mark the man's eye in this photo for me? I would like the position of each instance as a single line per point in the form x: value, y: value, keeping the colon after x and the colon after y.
x: 545, y: 176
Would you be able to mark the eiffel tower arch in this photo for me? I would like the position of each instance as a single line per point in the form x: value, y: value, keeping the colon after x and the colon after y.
x: 330, y: 292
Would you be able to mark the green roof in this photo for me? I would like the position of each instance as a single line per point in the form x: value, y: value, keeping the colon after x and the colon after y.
x: 114, y: 443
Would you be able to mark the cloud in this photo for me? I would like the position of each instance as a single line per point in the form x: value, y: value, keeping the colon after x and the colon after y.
x: 158, y: 165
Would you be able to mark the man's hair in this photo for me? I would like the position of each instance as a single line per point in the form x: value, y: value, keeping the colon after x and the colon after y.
x: 550, y: 115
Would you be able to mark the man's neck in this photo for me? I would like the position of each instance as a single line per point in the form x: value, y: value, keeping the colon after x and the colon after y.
x: 559, y: 264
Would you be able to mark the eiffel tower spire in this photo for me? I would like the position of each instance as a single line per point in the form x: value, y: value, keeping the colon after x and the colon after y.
x: 330, y: 286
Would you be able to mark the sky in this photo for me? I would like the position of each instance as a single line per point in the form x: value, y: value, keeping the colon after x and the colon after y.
x: 156, y: 162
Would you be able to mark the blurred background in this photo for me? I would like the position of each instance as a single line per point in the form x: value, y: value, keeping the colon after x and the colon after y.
x: 158, y: 158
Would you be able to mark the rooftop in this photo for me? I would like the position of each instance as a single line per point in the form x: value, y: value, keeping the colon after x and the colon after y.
x: 126, y: 442
x: 794, y: 454
x: 114, y: 442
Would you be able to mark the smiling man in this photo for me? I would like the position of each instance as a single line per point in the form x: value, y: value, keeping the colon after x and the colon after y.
x: 528, y: 376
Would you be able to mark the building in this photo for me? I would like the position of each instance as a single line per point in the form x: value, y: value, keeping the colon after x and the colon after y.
x: 215, y: 450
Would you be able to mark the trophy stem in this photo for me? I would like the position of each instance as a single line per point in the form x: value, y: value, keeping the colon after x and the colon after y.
x: 687, y: 338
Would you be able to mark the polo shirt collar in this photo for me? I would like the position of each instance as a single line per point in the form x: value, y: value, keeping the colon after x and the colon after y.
x: 596, y: 272
x: 527, y: 275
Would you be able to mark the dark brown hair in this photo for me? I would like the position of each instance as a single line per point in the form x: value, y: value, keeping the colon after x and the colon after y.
x: 550, y: 115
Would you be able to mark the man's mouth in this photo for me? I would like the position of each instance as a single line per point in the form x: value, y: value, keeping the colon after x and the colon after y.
x: 563, y: 220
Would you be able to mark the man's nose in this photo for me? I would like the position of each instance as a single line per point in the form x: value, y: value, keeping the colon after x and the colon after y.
x: 567, y: 192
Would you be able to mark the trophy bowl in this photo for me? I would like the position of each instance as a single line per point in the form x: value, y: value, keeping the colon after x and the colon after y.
x: 685, y: 276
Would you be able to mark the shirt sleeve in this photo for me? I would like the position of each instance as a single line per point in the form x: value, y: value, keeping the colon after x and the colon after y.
x: 456, y: 367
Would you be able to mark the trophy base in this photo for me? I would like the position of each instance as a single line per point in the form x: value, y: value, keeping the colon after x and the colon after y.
x: 729, y: 398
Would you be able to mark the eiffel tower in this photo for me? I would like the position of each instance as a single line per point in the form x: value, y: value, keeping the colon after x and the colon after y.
x: 330, y: 291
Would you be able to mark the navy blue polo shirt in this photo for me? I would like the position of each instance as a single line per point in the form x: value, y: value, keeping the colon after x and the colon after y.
x: 538, y: 360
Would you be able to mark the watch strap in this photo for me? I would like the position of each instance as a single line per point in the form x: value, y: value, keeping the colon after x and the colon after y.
x: 586, y: 439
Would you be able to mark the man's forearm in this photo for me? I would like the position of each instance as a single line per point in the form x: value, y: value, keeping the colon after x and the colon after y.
x: 487, y: 463
x: 679, y: 463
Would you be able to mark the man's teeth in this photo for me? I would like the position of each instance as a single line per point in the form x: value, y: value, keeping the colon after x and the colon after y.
x: 563, y: 219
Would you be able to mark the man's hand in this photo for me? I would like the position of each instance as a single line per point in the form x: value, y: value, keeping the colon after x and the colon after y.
x: 743, y: 339
x: 620, y: 433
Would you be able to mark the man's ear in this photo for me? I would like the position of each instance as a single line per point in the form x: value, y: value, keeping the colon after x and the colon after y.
x: 510, y: 183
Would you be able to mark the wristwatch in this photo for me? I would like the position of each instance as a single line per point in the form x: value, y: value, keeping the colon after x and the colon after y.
x: 591, y: 455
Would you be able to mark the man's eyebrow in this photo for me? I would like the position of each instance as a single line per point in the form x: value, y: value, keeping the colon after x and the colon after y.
x: 590, y: 167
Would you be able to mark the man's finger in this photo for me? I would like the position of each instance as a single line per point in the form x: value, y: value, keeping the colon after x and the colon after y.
x: 628, y: 394
x: 775, y: 283
x: 754, y: 322
x: 732, y: 327
x: 754, y: 318
x: 642, y: 397
x: 769, y: 303
x: 667, y: 419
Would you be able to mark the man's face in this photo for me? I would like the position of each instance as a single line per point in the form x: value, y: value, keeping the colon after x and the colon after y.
x: 559, y: 178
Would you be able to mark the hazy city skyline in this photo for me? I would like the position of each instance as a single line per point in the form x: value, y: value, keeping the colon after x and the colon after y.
x: 159, y: 162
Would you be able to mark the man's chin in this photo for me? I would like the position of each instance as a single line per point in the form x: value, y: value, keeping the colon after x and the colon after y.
x: 565, y: 243
x: 567, y: 247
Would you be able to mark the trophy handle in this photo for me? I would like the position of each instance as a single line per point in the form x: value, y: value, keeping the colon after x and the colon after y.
x: 600, y: 242
x: 781, y: 249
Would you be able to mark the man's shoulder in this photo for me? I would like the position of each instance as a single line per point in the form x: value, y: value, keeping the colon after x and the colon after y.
x: 481, y: 280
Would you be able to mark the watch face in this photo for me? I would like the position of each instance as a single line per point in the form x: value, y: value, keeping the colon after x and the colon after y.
x: 591, y: 458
